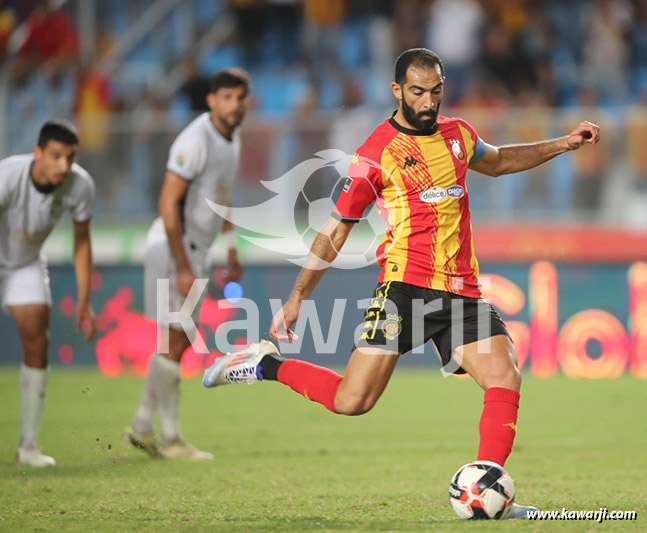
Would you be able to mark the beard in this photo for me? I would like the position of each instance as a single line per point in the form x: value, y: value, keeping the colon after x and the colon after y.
x: 423, y: 120
x: 232, y: 120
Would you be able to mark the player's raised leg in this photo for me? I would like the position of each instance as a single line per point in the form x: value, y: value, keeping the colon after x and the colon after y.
x: 367, y: 374
x: 33, y: 326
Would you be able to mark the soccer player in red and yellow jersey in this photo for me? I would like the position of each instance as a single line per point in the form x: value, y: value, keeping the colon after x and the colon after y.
x: 413, y: 166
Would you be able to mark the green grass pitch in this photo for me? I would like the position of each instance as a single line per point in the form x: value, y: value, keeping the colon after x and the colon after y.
x: 283, y: 463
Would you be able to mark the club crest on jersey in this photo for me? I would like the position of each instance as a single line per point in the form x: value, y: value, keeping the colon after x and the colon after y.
x: 457, y: 149
x: 392, y: 326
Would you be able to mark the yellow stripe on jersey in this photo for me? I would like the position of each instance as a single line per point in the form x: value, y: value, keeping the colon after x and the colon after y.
x: 447, y: 237
x: 394, y: 194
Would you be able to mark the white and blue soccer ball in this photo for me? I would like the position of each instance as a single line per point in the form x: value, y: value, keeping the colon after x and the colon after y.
x: 481, y: 490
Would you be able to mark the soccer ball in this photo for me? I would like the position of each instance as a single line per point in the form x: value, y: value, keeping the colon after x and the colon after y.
x: 481, y: 490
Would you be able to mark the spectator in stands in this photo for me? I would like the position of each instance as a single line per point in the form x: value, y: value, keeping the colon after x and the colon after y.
x: 283, y: 18
x: 639, y: 47
x: 322, y: 36
x: 453, y: 32
x: 195, y: 86
x: 51, y: 43
x: 409, y: 17
x: 7, y: 24
x: 590, y: 170
x: 607, y: 26
x: 249, y: 15
x: 352, y: 124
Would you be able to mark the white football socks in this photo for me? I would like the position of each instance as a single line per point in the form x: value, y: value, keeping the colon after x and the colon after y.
x: 162, y: 393
x: 33, y: 386
x: 166, y: 388
x: 143, y: 420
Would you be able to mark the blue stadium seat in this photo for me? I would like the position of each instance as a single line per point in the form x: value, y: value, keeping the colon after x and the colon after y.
x: 228, y: 56
x: 278, y: 93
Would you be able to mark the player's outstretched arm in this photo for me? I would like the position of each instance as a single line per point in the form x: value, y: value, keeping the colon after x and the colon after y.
x: 83, y: 268
x: 519, y: 157
x: 325, y: 248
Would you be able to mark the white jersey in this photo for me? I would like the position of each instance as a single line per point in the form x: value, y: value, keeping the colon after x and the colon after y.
x: 201, y: 155
x: 27, y: 216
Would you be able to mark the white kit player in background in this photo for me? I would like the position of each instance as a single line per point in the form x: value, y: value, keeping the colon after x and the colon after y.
x: 35, y: 190
x: 202, y: 165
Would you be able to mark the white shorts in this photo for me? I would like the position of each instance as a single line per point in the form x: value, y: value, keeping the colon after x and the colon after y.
x: 28, y: 284
x: 160, y: 264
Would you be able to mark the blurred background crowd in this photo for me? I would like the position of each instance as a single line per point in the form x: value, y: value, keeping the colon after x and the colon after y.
x: 133, y: 73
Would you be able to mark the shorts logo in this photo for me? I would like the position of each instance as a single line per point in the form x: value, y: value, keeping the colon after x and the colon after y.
x: 433, y: 195
x: 392, y: 327
x: 455, y: 191
x: 457, y: 149
x: 347, y: 183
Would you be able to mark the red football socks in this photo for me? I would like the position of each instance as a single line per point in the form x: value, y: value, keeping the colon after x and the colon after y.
x: 498, y: 424
x: 316, y: 383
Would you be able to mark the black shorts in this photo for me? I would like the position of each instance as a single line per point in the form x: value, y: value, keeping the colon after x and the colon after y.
x: 403, y: 317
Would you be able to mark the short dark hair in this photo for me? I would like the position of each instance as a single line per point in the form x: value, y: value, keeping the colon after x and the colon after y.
x: 58, y: 130
x: 416, y: 57
x: 229, y: 77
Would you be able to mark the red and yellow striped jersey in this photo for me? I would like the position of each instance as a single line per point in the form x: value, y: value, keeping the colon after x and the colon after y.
x: 417, y: 180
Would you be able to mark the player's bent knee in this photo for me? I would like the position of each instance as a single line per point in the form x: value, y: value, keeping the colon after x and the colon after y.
x: 353, y: 404
x: 510, y: 378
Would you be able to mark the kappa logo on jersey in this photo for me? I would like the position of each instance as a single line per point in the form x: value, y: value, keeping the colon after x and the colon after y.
x: 433, y: 195
x: 455, y: 191
x: 347, y: 183
x: 410, y: 162
x: 457, y: 149
x: 355, y: 160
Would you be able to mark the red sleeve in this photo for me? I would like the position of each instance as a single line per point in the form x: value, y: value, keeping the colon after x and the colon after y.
x: 361, y: 187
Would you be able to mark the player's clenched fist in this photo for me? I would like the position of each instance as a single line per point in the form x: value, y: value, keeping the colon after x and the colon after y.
x: 585, y: 133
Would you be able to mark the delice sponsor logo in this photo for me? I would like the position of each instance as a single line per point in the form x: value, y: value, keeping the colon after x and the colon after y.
x: 433, y: 195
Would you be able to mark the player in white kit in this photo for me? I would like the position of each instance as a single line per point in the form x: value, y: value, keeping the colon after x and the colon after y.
x: 35, y: 190
x: 202, y: 164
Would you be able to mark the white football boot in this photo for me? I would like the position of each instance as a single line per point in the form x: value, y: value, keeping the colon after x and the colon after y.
x: 143, y: 441
x: 520, y: 511
x: 32, y: 456
x: 180, y: 450
x: 239, y: 367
